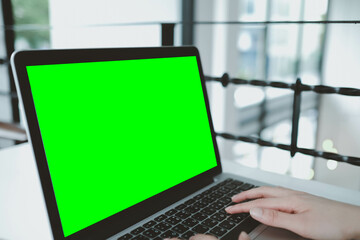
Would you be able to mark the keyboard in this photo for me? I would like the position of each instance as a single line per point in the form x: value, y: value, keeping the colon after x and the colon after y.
x: 203, y: 213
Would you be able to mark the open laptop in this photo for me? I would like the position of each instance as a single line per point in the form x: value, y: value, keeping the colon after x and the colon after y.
x: 125, y: 145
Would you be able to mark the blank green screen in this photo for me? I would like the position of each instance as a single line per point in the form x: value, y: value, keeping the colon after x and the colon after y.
x: 118, y: 132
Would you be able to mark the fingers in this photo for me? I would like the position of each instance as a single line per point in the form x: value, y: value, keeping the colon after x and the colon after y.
x: 276, y: 218
x: 197, y: 237
x: 261, y: 192
x: 282, y: 204
x: 203, y: 237
x: 244, y: 236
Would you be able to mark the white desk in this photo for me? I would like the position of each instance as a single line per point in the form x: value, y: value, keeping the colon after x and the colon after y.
x: 22, y: 208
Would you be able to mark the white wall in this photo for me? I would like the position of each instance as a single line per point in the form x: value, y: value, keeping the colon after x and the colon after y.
x: 93, y: 23
x: 340, y: 115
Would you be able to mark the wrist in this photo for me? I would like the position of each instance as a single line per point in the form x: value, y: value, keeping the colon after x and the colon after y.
x: 353, y: 229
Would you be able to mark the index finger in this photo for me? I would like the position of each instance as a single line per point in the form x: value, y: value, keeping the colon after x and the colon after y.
x: 262, y: 192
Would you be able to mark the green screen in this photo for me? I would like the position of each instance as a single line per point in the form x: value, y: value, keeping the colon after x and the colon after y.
x: 118, y: 132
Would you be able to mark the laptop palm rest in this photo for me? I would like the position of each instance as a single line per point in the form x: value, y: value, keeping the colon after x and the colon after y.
x: 263, y: 232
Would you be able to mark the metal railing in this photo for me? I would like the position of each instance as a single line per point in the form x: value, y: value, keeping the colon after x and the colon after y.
x: 298, y: 88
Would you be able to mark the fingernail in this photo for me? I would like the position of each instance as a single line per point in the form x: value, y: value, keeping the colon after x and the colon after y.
x: 232, y: 198
x: 228, y: 209
x: 243, y: 234
x: 256, y: 212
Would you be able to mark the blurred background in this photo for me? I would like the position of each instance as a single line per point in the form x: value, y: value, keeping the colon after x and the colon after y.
x: 240, y: 37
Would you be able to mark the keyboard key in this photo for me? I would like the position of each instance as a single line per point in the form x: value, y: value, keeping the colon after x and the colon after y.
x: 171, y: 212
x: 189, y: 202
x: 180, y: 207
x: 235, y: 218
x: 180, y: 228
x: 210, y: 222
x: 223, y: 190
x: 218, y: 231
x: 200, y: 229
x: 200, y: 204
x: 125, y: 237
x: 163, y: 226
x: 140, y: 237
x: 212, y: 199
x: 160, y: 218
x: 197, y: 197
x: 216, y: 195
x: 169, y: 234
x: 223, y: 212
x: 192, y: 209
x: 218, y: 216
x: 217, y: 205
x: 221, y: 184
x: 190, y: 222
x: 173, y: 220
x: 206, y: 192
x: 199, y: 216
x: 236, y: 182
x: 149, y: 224
x: 227, y: 224
x: 182, y: 214
x: 188, y: 234
x: 230, y: 186
x: 214, y: 188
x: 234, y: 193
x: 208, y: 211
x: 137, y: 230
x: 207, y: 200
x: 246, y: 186
x: 225, y: 200
x: 151, y: 233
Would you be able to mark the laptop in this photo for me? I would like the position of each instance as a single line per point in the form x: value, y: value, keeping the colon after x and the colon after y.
x: 125, y: 146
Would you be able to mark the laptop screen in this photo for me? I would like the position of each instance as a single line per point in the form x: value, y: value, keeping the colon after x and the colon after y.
x: 118, y: 132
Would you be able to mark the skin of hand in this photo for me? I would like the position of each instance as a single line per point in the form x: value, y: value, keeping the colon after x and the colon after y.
x: 242, y: 236
x: 305, y: 214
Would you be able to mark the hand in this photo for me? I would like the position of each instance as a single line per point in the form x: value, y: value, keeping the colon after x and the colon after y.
x: 242, y: 236
x: 307, y: 215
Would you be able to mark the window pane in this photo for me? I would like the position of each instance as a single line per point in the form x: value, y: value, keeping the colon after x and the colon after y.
x: 35, y: 13
x: 5, y: 109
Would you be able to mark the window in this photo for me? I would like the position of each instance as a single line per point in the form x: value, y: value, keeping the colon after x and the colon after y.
x: 273, y: 52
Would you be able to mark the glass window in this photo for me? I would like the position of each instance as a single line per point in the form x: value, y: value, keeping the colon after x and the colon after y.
x: 278, y: 52
x: 31, y: 24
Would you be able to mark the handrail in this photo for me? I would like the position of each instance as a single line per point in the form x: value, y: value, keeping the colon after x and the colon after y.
x: 298, y: 88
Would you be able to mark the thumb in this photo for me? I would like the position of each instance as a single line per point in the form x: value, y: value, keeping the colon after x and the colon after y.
x: 243, y: 236
x: 274, y: 218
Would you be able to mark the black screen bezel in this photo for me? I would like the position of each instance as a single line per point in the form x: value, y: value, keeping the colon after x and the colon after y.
x: 115, y: 223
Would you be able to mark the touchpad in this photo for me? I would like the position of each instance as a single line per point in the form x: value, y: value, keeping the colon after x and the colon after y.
x: 267, y: 233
